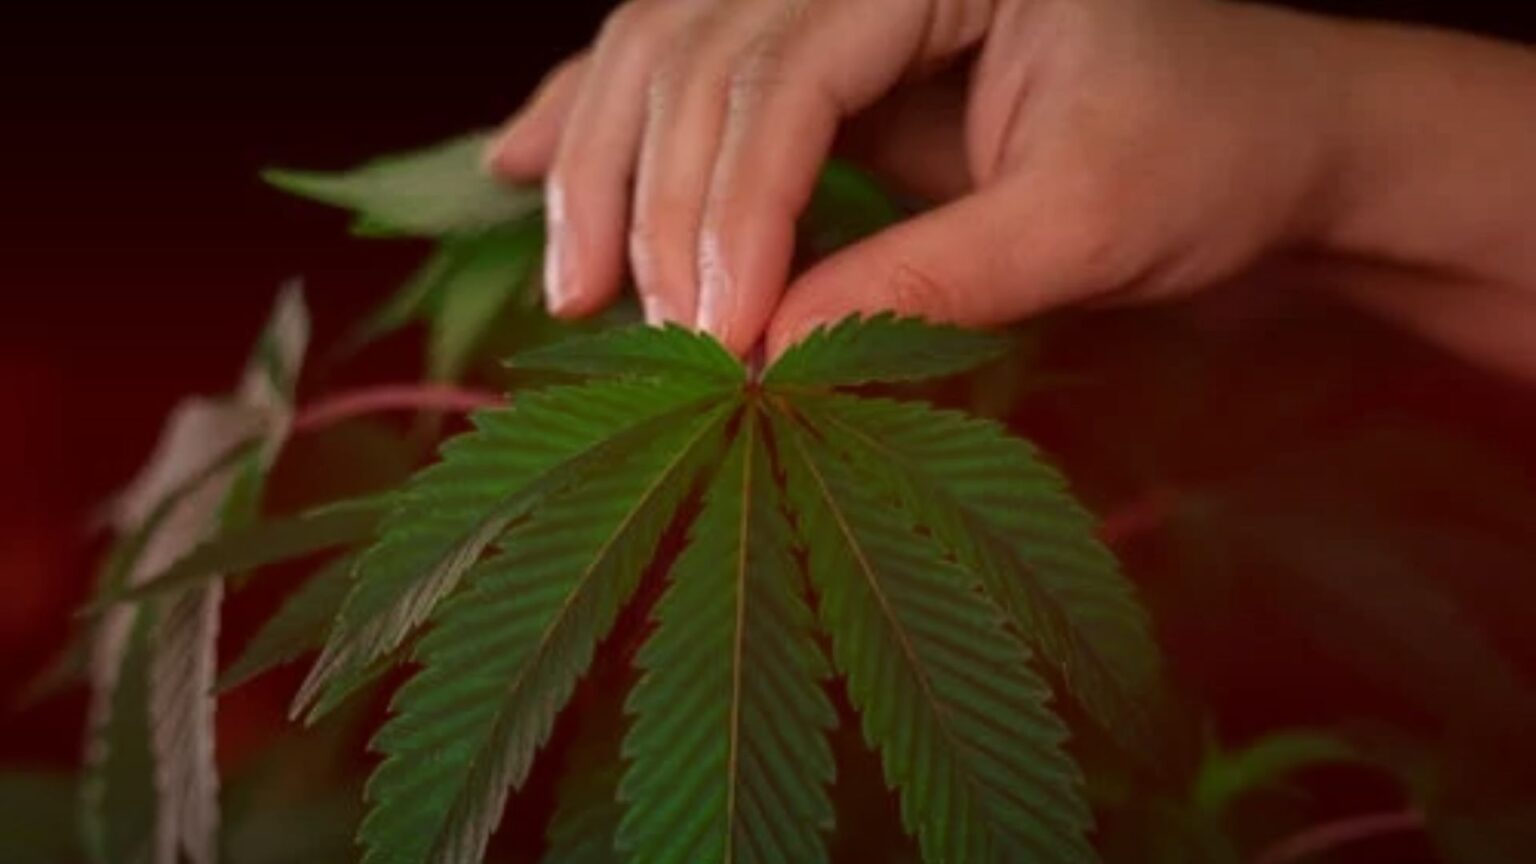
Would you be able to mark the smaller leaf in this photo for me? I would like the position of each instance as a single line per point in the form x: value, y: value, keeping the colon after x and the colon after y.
x: 636, y: 352
x: 263, y: 543
x: 413, y: 301
x: 429, y: 192
x: 846, y: 206
x: 1225, y: 776
x: 118, y: 800
x: 297, y: 628
x: 486, y: 275
x: 860, y: 350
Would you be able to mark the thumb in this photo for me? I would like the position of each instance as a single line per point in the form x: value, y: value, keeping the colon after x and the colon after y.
x: 996, y: 256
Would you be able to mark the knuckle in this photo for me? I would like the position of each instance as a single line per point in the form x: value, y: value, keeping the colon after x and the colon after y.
x: 628, y: 23
x: 762, y: 69
x: 916, y: 291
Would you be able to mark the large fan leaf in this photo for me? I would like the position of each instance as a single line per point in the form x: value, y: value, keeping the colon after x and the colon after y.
x: 883, y: 347
x: 991, y: 499
x: 728, y: 752
x: 637, y: 351
x: 505, y: 654
x: 449, y: 513
x: 437, y: 190
x: 963, y: 725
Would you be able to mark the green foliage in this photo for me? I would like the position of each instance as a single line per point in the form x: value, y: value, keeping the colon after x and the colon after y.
x: 728, y: 753
x: 934, y: 674
x: 539, y: 525
x: 297, y: 628
x: 742, y: 530
x: 998, y: 507
x: 884, y: 348
x: 431, y: 192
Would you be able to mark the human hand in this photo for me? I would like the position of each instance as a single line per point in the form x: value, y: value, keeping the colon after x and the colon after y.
x: 1100, y: 149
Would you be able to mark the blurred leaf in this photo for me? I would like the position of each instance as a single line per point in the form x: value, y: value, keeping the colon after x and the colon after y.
x: 430, y: 192
x: 37, y: 813
x: 260, y: 544
x: 847, y: 205
x: 1228, y: 775
x: 487, y: 273
x: 119, y: 800
x: 219, y: 491
x: 297, y: 628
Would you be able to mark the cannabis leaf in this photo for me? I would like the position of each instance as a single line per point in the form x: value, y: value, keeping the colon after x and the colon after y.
x: 298, y: 627
x: 995, y: 504
x: 728, y: 753
x: 927, y: 574
x: 961, y: 721
x: 452, y: 512
x: 430, y: 192
x: 156, y: 665
x: 881, y: 348
x: 504, y: 656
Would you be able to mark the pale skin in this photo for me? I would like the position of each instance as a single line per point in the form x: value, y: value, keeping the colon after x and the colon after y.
x: 1078, y: 151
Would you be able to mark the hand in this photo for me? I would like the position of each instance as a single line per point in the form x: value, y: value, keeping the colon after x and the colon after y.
x: 1096, y: 150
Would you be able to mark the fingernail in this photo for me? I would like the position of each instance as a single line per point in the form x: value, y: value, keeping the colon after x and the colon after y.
x: 714, y: 287
x: 559, y: 266
x: 657, y: 311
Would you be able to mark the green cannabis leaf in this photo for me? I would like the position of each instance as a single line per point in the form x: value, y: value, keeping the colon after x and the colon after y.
x: 929, y: 548
x: 431, y: 192
x: 153, y: 667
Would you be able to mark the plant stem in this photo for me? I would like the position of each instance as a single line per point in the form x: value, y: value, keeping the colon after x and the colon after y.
x: 331, y: 410
x: 1145, y: 514
x: 1318, y: 839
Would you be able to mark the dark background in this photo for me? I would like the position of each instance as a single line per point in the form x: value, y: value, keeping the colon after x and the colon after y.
x: 139, y: 252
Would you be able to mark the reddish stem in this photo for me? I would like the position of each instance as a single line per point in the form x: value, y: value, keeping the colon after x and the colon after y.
x: 1331, y: 835
x: 391, y: 397
x: 1144, y: 515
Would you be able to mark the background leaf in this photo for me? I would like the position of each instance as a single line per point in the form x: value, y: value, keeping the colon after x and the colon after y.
x: 298, y: 627
x: 434, y: 191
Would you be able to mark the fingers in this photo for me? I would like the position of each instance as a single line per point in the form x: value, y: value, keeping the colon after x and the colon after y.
x: 524, y: 148
x: 692, y: 136
x: 1004, y: 253
x: 685, y: 116
x: 587, y: 189
x: 807, y: 70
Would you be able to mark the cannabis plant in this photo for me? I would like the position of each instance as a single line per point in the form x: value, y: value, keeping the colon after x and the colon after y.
x: 831, y: 537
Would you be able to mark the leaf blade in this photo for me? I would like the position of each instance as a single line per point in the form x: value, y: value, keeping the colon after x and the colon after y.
x: 882, y: 347
x: 298, y: 627
x: 463, y: 733
x: 745, y: 779
x: 452, y: 511
x: 433, y: 191
x: 636, y: 351
x: 931, y: 669
x: 992, y: 499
